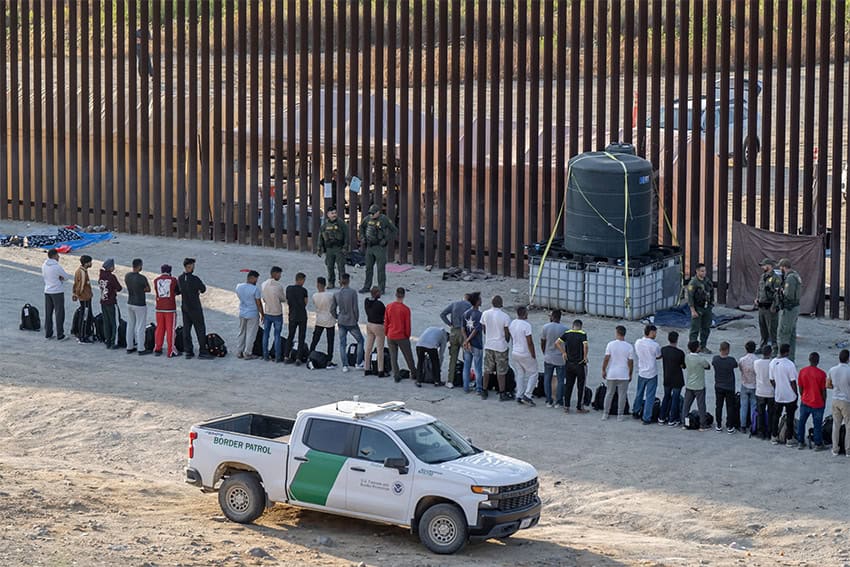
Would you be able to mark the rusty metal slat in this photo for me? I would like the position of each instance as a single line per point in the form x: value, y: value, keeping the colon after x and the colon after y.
x: 521, y: 207
x: 168, y: 123
x: 781, y: 92
x: 392, y: 161
x: 156, y: 145
x: 766, y: 119
x: 206, y: 150
x: 291, y: 81
x: 506, y: 211
x: 230, y: 226
x: 38, y: 138
x: 4, y: 132
x: 454, y: 136
x: 794, y: 119
x: 616, y: 18
x: 546, y: 146
x: 304, y: 83
x: 698, y: 205
x: 366, y: 125
x: 586, y: 81
x: 50, y: 115
x: 79, y: 189
x: 723, y: 180
x: 354, y: 99
x: 415, y: 201
x: 27, y: 138
x: 468, y: 124
x: 601, y: 72
x: 328, y: 95
x: 316, y: 68
x: 279, y: 171
x: 575, y: 68
x: 643, y: 40
x: 628, y: 70
x: 181, y: 120
x: 539, y: 224
x: 142, y: 53
x: 809, y: 118
x: 217, y: 141
x: 738, y: 115
x: 257, y: 161
x: 560, y: 184
x: 752, y: 113
x: 121, y: 118
x: 655, y: 101
x: 404, y: 150
x: 340, y: 113
x: 192, y: 157
x: 428, y: 167
x: 682, y: 126
x: 265, y: 184
x: 493, y: 197
x: 710, y: 130
x: 819, y: 213
x: 669, y: 83
x: 102, y: 136
x: 242, y: 233
x: 14, y: 114
x: 835, y: 279
x: 480, y: 149
x: 442, y: 135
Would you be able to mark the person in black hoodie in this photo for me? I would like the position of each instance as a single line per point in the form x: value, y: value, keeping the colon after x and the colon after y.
x: 191, y: 288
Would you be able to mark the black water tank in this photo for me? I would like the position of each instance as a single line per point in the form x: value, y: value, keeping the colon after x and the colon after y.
x: 620, y: 148
x: 599, y: 217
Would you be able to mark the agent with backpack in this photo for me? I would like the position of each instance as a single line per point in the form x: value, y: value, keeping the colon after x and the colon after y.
x: 54, y: 295
x: 166, y: 290
x: 83, y: 293
x: 109, y: 289
x: 191, y: 288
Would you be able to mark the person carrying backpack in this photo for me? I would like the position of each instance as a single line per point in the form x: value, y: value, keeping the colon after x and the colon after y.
x: 82, y: 292
x: 191, y: 288
x: 109, y: 289
x: 166, y: 290
x: 54, y: 295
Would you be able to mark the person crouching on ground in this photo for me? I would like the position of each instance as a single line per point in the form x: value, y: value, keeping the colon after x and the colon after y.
x: 431, y: 346
x: 166, y: 291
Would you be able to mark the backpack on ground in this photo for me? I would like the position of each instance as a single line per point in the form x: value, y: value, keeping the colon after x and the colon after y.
x: 351, y: 355
x: 82, y: 325
x: 373, y: 359
x: 318, y: 360
x: 754, y: 421
x: 656, y: 410
x: 30, y: 319
x: 783, y: 428
x: 692, y: 420
x: 736, y: 410
x: 257, y: 349
x: 827, y: 434
x: 588, y: 397
x: 599, y: 397
x: 615, y: 403
x: 121, y: 339
x: 216, y: 346
x: 98, y: 328
x: 539, y: 390
x: 178, y: 339
x: 150, y: 336
x: 404, y: 374
x: 457, y: 379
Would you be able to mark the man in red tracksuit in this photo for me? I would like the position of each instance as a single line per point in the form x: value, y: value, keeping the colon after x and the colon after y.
x: 166, y: 289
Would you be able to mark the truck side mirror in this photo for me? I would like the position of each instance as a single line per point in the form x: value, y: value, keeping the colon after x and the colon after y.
x: 399, y: 463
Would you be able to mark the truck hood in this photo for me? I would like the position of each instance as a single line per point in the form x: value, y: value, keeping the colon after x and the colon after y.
x: 490, y: 469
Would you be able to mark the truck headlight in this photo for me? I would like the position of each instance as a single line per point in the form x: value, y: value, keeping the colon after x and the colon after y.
x: 485, y: 489
x: 488, y: 504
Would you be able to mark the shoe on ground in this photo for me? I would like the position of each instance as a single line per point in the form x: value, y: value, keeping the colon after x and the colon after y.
x: 368, y: 373
x: 730, y: 430
x: 661, y: 421
x: 835, y: 454
x: 249, y: 357
x: 529, y: 401
x: 205, y: 356
x: 189, y: 355
x: 774, y: 441
x: 703, y: 429
x: 520, y: 401
x: 144, y: 352
x: 504, y: 397
x: 483, y: 394
x: 705, y: 350
x: 383, y: 374
x: 802, y: 446
x: 605, y: 417
x: 396, y: 379
x: 157, y: 353
x: 559, y: 405
x: 131, y: 350
x: 582, y: 410
x: 550, y: 405
x: 364, y: 290
x: 791, y: 444
x: 61, y: 337
x: 718, y: 428
x: 674, y: 423
x: 621, y: 418
x: 240, y: 355
x: 450, y: 385
x: 419, y: 384
x: 359, y: 366
x: 345, y: 368
x: 331, y: 365
x: 566, y: 409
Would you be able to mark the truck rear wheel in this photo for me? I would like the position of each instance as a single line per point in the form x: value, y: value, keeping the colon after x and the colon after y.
x: 242, y: 498
x: 443, y: 529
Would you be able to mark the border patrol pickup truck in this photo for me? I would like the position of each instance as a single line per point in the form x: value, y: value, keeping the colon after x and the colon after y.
x: 378, y: 462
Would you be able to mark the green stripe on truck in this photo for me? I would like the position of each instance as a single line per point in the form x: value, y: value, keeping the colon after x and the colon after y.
x: 315, y: 478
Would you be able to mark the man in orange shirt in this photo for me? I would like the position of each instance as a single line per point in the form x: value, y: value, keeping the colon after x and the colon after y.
x: 397, y: 330
x: 812, y: 385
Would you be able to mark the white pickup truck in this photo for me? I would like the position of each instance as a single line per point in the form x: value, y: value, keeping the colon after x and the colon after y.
x: 378, y: 462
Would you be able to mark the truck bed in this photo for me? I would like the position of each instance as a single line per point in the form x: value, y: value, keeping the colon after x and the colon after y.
x: 257, y: 425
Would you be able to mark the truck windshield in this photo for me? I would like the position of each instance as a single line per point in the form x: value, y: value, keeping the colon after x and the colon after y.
x: 435, y: 442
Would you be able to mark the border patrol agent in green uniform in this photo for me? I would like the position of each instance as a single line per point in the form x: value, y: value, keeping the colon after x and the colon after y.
x: 766, y: 301
x: 333, y: 243
x: 701, y: 301
x: 376, y: 230
x: 789, y: 306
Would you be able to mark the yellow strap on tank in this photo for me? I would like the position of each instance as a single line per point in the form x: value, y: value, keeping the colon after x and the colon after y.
x: 546, y: 252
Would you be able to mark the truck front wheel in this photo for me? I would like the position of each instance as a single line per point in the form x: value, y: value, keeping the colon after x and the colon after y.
x: 242, y: 498
x: 443, y: 529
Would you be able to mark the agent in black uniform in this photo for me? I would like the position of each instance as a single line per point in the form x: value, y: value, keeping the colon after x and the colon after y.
x: 191, y: 288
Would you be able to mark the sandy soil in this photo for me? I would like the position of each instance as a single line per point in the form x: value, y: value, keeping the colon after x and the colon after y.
x: 93, y: 443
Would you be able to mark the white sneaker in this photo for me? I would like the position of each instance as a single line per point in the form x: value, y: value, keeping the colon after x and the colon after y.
x: 359, y: 366
x: 450, y: 385
x: 345, y: 369
x: 549, y: 404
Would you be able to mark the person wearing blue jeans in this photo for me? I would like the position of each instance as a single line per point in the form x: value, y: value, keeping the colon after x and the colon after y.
x: 473, y: 343
x: 347, y: 314
x: 276, y: 322
x: 812, y: 385
x: 560, y: 374
x: 648, y: 352
x: 673, y: 364
x: 817, y: 424
x: 344, y: 331
x: 553, y: 360
x: 749, y: 402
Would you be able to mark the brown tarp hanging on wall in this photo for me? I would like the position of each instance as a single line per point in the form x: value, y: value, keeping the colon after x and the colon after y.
x: 750, y: 245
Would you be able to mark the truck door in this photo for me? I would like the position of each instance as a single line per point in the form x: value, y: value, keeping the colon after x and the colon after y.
x: 317, y: 464
x: 374, y: 489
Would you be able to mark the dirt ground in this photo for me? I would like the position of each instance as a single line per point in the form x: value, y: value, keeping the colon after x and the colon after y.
x: 93, y: 445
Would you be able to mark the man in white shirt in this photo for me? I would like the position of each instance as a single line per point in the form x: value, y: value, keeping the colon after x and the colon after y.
x: 617, y: 368
x: 838, y: 380
x: 54, y: 295
x: 274, y: 296
x: 495, y: 324
x: 523, y: 356
x: 784, y: 377
x: 648, y: 352
x: 323, y: 301
x: 764, y: 392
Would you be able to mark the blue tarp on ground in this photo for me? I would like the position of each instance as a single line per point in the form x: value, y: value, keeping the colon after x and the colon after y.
x: 680, y: 317
x: 86, y: 238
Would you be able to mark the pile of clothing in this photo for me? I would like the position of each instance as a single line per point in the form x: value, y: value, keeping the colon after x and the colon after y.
x: 67, y: 238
